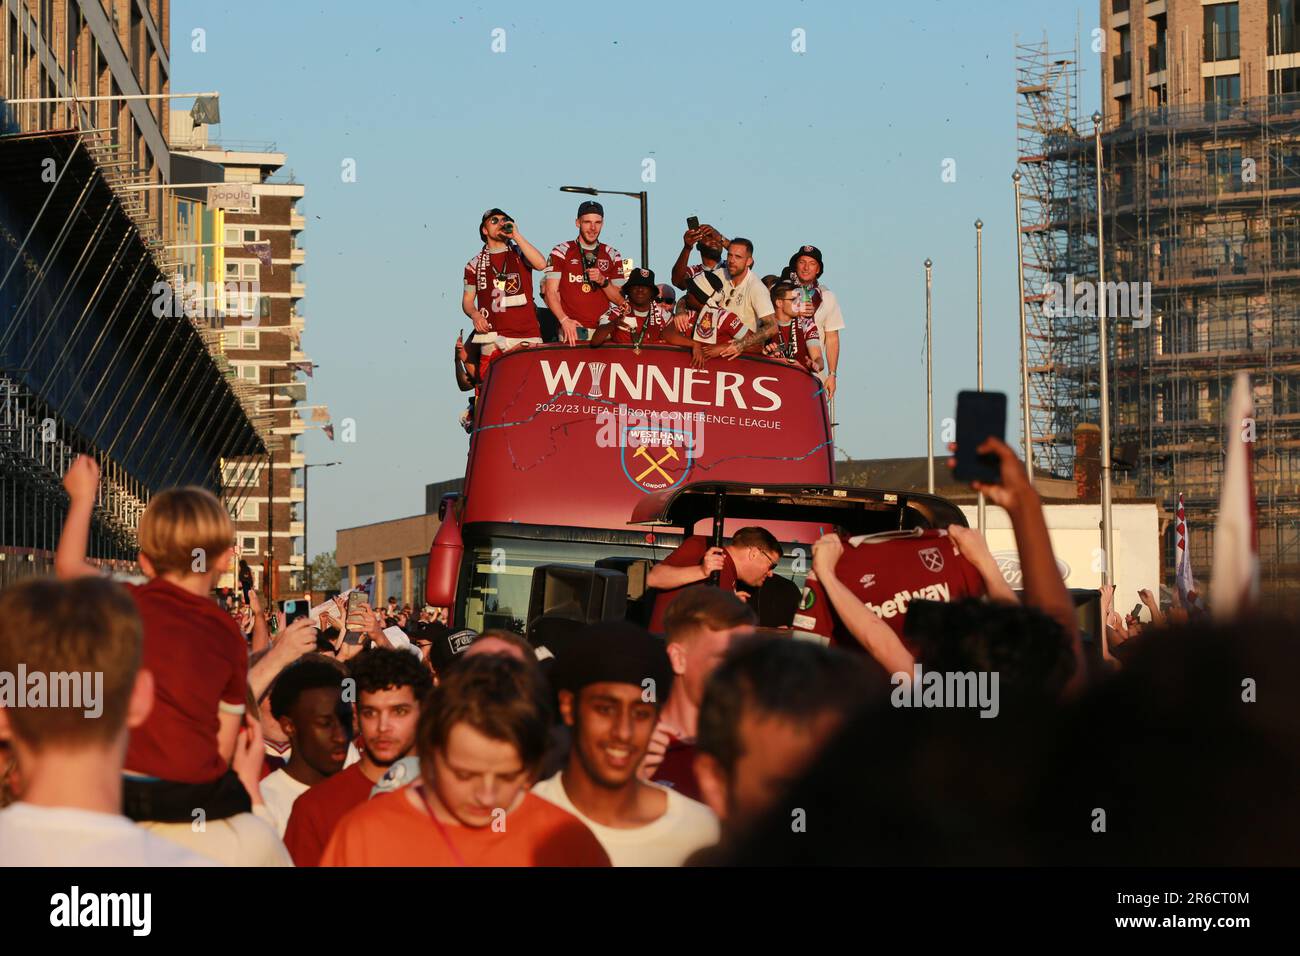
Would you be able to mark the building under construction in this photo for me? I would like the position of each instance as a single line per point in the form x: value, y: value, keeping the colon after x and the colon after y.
x: 1201, y: 203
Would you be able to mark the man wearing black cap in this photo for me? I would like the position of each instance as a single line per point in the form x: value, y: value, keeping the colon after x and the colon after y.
x: 584, y: 277
x: 641, y: 321
x: 821, y: 304
x: 613, y: 679
x: 499, y: 285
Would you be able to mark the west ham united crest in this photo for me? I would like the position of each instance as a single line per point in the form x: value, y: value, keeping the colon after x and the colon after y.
x: 932, y: 558
x: 655, y: 459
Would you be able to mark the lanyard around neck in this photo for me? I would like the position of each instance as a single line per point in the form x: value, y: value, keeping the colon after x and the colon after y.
x: 442, y: 830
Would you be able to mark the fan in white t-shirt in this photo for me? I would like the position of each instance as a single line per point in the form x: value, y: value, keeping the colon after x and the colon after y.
x: 307, y: 700
x: 612, y: 680
x: 84, y: 633
x: 32, y: 835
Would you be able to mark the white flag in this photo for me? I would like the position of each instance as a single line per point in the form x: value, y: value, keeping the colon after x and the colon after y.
x: 1234, y: 584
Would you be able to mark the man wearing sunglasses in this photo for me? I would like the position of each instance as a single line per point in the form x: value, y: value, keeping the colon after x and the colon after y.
x: 797, y: 340
x: 748, y: 559
x: 499, y: 286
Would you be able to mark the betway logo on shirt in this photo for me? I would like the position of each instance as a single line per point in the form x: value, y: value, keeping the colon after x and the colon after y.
x: 898, y: 604
x: 683, y: 386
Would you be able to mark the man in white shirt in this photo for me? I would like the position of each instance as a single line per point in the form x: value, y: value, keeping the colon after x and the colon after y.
x: 613, y: 679
x: 743, y: 292
x: 820, y: 303
x: 83, y: 639
x: 307, y: 700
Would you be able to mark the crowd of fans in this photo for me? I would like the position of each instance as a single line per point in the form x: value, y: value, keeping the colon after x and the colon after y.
x: 720, y: 734
x: 725, y: 309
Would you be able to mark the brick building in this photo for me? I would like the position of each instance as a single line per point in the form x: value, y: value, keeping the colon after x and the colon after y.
x: 264, y: 349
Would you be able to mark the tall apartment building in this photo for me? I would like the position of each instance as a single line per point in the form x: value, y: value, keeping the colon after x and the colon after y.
x: 264, y: 350
x: 87, y: 364
x: 1201, y: 198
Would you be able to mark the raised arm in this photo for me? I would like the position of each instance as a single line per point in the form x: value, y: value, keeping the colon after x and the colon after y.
x: 82, y: 485
x: 976, y: 550
x: 529, y: 251
x: 682, y: 266
x: 1044, y: 588
x: 866, y: 627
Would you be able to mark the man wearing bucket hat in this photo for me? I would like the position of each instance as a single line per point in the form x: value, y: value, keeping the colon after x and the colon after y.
x: 821, y: 304
x: 498, y: 295
x: 641, y: 321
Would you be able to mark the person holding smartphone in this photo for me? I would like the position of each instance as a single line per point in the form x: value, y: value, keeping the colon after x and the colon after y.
x: 498, y: 296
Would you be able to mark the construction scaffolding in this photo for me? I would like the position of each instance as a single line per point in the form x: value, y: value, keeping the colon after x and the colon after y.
x: 1202, y: 215
x: 1058, y: 217
x: 1203, y: 202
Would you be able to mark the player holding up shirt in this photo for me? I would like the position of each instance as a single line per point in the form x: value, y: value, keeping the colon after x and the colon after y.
x: 714, y: 332
x: 641, y: 322
x: 499, y: 285
x: 820, y: 304
x: 796, y: 339
x: 584, y: 277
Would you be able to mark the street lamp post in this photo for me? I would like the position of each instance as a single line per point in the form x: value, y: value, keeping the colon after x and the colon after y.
x: 1103, y: 339
x: 979, y: 340
x: 929, y: 389
x: 306, y: 549
x: 640, y: 197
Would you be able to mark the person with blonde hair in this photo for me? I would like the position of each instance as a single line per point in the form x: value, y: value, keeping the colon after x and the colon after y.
x: 179, y: 778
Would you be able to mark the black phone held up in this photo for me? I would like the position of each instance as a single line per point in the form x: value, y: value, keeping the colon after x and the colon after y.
x: 979, y: 416
x: 1137, y: 611
x: 692, y: 222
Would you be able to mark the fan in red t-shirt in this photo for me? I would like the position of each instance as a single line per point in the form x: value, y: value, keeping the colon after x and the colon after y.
x: 390, y: 687
x: 749, y: 558
x: 194, y: 650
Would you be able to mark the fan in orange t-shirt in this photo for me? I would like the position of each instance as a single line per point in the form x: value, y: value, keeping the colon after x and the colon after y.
x: 482, y: 737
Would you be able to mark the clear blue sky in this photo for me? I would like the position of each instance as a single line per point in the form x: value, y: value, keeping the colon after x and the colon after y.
x: 840, y: 146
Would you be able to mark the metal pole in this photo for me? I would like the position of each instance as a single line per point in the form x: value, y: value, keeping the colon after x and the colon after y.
x: 270, y: 496
x: 1107, y: 529
x: 306, y: 550
x: 979, y: 340
x: 929, y: 388
x: 1024, y: 336
x: 645, y: 230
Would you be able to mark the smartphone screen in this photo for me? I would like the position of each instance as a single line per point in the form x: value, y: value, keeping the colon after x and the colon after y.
x: 1137, y: 611
x: 692, y: 222
x: 294, y: 610
x: 979, y: 416
x: 355, y: 600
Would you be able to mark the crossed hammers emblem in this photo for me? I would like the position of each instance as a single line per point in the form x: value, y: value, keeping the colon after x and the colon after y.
x: 670, y: 453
